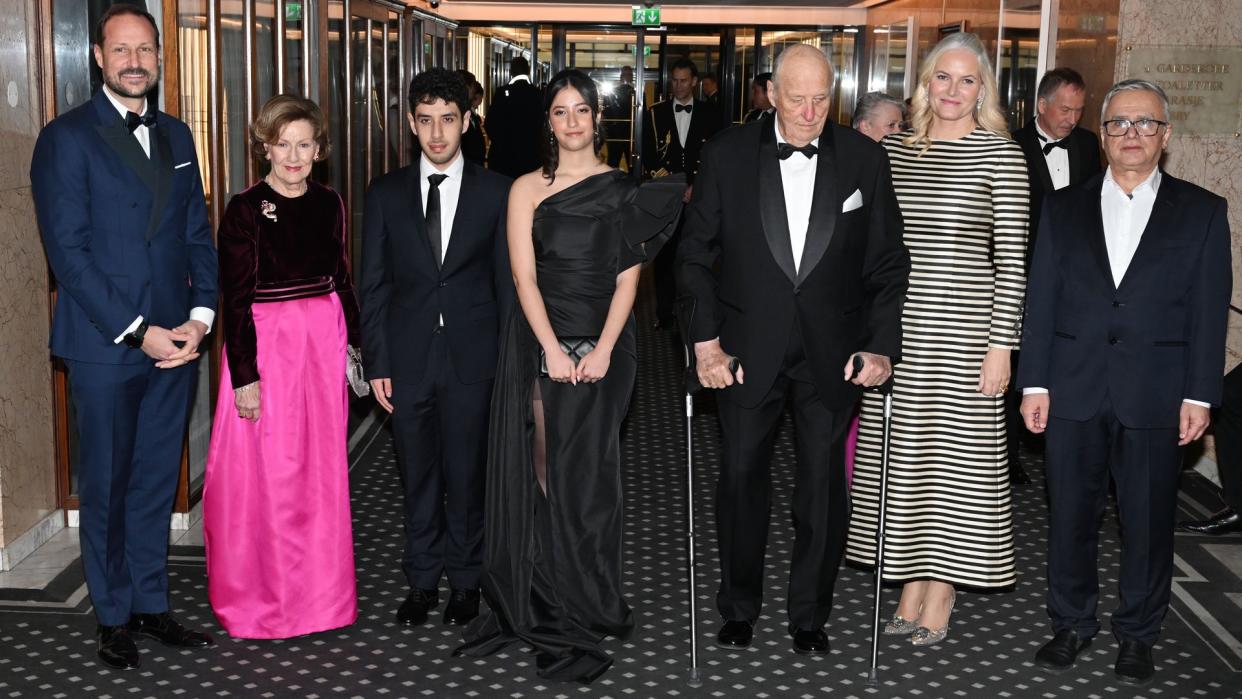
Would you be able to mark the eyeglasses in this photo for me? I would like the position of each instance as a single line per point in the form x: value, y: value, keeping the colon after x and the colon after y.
x: 1144, y: 127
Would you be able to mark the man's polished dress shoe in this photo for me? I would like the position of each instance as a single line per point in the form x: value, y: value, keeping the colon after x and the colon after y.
x: 116, y: 647
x: 165, y: 628
x: 1058, y: 654
x: 413, y: 611
x: 735, y: 633
x: 463, y: 605
x: 1134, y: 665
x: 809, y: 642
x: 1227, y: 521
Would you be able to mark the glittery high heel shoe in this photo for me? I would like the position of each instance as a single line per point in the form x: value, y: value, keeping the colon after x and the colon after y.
x: 924, y: 636
x: 900, y: 626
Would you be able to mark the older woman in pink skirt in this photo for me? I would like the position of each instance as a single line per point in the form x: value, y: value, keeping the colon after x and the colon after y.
x: 276, y: 520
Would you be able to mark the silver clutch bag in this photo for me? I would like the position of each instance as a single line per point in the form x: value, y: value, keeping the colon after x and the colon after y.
x: 353, y: 373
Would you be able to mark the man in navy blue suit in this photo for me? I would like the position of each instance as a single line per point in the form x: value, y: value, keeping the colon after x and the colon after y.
x: 1123, y: 353
x: 120, y: 207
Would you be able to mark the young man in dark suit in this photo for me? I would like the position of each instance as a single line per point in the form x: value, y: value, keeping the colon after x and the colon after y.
x: 1123, y: 350
x: 435, y: 288
x: 513, y: 124
x: 1059, y: 154
x: 120, y: 207
x: 793, y: 261
x: 673, y: 135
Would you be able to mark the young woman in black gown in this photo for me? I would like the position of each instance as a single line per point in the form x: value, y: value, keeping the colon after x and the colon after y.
x: 578, y: 232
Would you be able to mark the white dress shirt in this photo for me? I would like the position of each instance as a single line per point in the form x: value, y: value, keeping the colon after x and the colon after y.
x: 1057, y: 159
x: 1125, y: 217
x: 798, y: 182
x: 682, y: 119
x: 450, y: 192
x: 200, y: 313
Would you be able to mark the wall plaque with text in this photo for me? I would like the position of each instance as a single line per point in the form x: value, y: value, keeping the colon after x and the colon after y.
x: 1204, y: 85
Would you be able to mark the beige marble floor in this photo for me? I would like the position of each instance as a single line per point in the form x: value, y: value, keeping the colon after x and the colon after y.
x: 40, y: 567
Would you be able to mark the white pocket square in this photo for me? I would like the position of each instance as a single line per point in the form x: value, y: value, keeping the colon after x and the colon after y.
x: 853, y: 202
x: 178, y: 167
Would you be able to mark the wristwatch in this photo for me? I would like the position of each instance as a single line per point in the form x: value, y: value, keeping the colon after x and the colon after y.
x: 134, y: 339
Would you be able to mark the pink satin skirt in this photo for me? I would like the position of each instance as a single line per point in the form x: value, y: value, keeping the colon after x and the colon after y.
x: 276, y: 519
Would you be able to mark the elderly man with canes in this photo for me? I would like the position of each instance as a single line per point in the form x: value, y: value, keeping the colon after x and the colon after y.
x: 792, y: 257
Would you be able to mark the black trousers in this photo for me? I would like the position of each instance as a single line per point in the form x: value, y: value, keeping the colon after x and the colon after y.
x: 440, y: 432
x: 1144, y: 464
x: 744, y: 493
x: 1228, y: 433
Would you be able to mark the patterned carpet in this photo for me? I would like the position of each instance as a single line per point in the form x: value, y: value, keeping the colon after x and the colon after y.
x: 47, y: 644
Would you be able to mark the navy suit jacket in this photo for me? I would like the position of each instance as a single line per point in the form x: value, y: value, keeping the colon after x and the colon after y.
x: 403, y: 293
x: 126, y: 235
x: 1147, y: 344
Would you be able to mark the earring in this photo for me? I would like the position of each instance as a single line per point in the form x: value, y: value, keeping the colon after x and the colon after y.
x: 979, y: 102
x: 551, y: 139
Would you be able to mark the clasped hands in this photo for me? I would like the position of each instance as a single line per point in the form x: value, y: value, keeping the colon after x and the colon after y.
x: 160, y: 343
x: 713, y: 367
x: 589, y: 369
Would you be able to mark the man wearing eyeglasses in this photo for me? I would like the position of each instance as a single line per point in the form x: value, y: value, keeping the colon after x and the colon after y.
x: 1123, y: 351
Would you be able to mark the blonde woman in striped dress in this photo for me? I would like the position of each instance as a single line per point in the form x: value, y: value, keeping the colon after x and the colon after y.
x: 962, y: 186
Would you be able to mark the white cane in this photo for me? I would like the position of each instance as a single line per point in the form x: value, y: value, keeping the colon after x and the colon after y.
x: 873, y: 678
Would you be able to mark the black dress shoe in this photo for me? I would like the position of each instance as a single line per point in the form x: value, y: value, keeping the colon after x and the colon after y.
x: 165, y: 628
x: 116, y: 648
x: 463, y: 605
x: 809, y: 642
x: 1227, y: 521
x: 735, y: 633
x: 1018, y: 475
x: 1134, y: 665
x: 413, y: 611
x: 1058, y: 655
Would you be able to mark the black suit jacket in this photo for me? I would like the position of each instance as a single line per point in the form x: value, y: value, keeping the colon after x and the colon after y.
x: 514, y: 125
x: 1084, y: 162
x: 735, y: 260
x: 403, y: 293
x: 1155, y: 340
x: 662, y: 147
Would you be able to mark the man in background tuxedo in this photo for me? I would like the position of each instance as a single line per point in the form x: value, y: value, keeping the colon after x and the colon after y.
x: 793, y: 264
x: 674, y: 133
x: 1059, y: 154
x: 514, y: 122
x: 120, y: 207
x: 760, y: 107
x: 1123, y: 349
x: 435, y: 287
x: 619, y: 119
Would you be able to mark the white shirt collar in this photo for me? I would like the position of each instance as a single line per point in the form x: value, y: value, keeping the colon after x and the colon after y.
x: 1045, y: 137
x: 122, y: 109
x: 427, y: 168
x: 689, y: 101
x: 519, y: 78
x: 1152, y: 182
x: 781, y: 139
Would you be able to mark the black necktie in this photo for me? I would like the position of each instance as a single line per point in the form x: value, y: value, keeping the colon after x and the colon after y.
x: 433, y: 214
x: 133, y: 121
x: 687, y: 108
x: 784, y: 150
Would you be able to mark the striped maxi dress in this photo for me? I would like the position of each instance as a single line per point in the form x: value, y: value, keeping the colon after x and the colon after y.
x: 964, y: 203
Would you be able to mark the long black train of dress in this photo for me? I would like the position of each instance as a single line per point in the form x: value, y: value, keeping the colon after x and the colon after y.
x: 552, y: 564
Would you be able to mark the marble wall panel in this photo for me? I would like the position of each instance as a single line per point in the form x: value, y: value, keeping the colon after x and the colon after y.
x: 27, y: 463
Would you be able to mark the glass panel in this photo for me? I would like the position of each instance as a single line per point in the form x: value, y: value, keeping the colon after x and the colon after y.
x: 233, y: 94
x: 359, y: 116
x: 543, y: 62
x: 1087, y: 42
x: 395, y: 126
x: 888, y: 60
x: 73, y: 59
x: 609, y: 57
x: 335, y: 105
x: 703, y: 48
x: 839, y: 48
x: 744, y: 75
x: 295, y: 27
x: 264, y: 50
x: 378, y: 107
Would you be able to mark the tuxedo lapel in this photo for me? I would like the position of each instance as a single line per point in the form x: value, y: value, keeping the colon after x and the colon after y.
x: 1074, y: 150
x: 1163, y: 218
x: 824, y: 204
x: 162, y: 165
x: 1035, y: 154
x: 126, y: 146
x: 772, y: 202
x: 461, y: 217
x: 419, y: 228
x: 1095, y: 232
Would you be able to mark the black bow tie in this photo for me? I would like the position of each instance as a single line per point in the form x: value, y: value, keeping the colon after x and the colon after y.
x: 133, y: 121
x: 1054, y: 144
x: 784, y: 150
x: 687, y: 108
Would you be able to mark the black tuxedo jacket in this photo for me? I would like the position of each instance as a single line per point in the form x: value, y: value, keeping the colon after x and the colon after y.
x: 514, y: 123
x: 403, y: 292
x: 1148, y: 344
x: 662, y: 147
x: 1084, y: 162
x: 736, y: 266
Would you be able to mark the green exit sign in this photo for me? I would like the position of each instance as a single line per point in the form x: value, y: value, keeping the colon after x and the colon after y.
x: 293, y: 11
x: 646, y: 16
